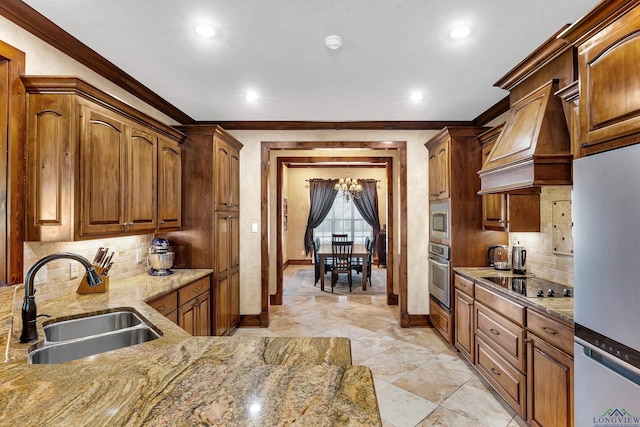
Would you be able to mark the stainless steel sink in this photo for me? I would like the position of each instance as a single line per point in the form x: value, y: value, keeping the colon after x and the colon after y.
x: 87, y: 336
x: 90, y: 325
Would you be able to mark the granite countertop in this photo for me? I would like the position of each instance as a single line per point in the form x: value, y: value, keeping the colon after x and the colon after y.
x: 178, y: 379
x: 560, y: 308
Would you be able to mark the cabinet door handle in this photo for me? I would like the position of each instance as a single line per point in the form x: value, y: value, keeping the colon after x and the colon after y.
x: 548, y: 330
x: 163, y: 308
x: 494, y: 371
x: 197, y: 289
x: 494, y: 332
x: 162, y: 222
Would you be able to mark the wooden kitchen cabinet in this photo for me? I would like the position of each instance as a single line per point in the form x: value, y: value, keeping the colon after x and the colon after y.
x: 169, y: 184
x: 608, y: 66
x: 91, y: 162
x: 210, y: 232
x: 441, y: 320
x: 189, y: 307
x: 464, y: 324
x: 550, y: 384
x: 439, y: 171
x: 513, y: 212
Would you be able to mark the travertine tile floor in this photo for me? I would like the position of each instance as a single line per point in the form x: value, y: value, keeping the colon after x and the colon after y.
x: 419, y: 379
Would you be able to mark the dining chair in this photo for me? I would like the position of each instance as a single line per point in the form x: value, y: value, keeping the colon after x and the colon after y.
x: 316, y: 260
x: 341, y: 261
x: 339, y: 237
x: 357, y: 266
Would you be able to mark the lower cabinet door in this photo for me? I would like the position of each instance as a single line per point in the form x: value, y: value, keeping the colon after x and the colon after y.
x: 465, y: 330
x: 222, y: 315
x: 550, y: 392
x: 194, y: 316
x: 507, y: 380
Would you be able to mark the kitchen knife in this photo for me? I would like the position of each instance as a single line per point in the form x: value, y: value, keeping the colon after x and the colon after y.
x: 107, y: 260
x: 107, y: 268
x: 95, y: 258
x: 103, y: 254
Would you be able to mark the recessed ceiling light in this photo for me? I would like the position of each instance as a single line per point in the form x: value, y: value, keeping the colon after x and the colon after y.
x: 460, y: 32
x: 417, y: 96
x: 333, y: 42
x: 251, y: 96
x: 205, y: 31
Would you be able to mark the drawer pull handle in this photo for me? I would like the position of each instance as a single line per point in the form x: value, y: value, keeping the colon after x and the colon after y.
x: 494, y: 371
x: 494, y: 332
x: 548, y: 330
x: 196, y: 290
x: 164, y: 307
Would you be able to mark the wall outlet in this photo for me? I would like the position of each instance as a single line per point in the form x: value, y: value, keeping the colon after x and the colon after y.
x: 139, y: 256
x: 254, y: 227
x: 41, y: 275
x: 73, y: 270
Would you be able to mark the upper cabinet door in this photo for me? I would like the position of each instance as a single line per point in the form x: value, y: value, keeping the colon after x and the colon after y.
x: 222, y: 176
x: 140, y: 185
x: 169, y: 184
x: 102, y: 171
x: 609, y: 85
x: 442, y: 155
x: 234, y: 180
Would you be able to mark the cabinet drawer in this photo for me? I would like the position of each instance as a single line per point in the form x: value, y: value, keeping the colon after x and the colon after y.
x: 509, y: 309
x: 505, y: 337
x: 465, y: 285
x: 189, y: 292
x: 165, y: 304
x: 551, y: 331
x: 510, y: 383
x: 441, y: 320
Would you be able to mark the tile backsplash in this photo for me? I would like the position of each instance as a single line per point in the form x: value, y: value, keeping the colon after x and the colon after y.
x: 541, y: 259
x: 58, y: 282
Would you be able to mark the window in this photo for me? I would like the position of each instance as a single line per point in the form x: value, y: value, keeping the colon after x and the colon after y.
x: 343, y: 218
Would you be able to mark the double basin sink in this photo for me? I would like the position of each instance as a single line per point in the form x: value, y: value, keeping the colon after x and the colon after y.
x: 93, y: 334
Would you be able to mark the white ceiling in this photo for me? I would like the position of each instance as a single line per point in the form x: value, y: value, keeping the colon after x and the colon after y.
x: 276, y: 48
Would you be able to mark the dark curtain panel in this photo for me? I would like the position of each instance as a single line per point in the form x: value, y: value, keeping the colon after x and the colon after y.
x: 322, y: 196
x: 367, y: 205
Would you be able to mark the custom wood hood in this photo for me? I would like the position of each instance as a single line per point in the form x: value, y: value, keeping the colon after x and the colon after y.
x: 534, y: 147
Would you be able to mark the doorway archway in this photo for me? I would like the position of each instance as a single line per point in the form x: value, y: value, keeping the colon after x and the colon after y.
x: 398, y: 183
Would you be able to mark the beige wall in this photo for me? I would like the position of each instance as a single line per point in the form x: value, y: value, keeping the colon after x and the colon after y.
x: 298, y: 196
x: 416, y: 197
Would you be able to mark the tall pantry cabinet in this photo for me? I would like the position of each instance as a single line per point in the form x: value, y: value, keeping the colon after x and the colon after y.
x: 210, y: 235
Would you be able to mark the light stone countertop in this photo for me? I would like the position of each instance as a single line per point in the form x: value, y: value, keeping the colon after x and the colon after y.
x: 178, y: 379
x: 560, y: 308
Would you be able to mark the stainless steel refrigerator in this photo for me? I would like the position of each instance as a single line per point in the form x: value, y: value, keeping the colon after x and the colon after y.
x: 606, y: 216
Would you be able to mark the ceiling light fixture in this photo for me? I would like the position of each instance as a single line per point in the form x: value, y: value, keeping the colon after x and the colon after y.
x: 205, y: 31
x: 251, y: 96
x: 460, y: 32
x: 333, y: 42
x: 417, y: 96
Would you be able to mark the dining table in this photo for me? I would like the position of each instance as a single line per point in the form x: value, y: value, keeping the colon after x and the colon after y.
x: 359, y: 251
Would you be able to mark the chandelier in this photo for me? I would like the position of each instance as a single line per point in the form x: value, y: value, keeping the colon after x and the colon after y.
x: 348, y: 188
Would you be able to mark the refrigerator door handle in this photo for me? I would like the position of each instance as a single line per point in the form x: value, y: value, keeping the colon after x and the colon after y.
x: 625, y: 370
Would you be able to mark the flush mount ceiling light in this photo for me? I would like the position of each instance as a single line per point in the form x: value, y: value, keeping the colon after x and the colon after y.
x: 460, y: 32
x: 333, y: 42
x: 417, y: 96
x: 205, y: 31
x: 251, y: 96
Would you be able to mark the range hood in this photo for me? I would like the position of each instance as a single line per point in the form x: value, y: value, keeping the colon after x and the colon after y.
x: 534, y: 147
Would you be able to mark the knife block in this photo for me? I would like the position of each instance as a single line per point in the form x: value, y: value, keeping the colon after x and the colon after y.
x: 84, y: 288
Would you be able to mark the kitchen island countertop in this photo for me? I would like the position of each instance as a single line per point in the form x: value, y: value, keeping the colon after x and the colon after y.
x: 178, y: 379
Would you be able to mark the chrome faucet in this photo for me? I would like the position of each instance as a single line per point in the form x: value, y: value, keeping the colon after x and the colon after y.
x: 29, y: 312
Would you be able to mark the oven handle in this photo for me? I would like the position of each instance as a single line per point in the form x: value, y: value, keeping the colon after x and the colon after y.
x: 440, y: 264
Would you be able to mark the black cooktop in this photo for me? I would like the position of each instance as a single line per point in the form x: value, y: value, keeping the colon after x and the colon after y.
x: 533, y: 287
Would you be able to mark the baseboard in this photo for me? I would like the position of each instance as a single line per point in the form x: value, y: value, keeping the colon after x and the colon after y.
x: 250, y: 320
x: 297, y: 262
x: 414, y: 320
